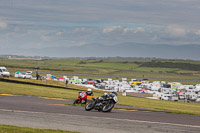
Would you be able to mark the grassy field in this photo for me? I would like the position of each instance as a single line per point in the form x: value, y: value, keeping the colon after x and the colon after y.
x: 103, y: 67
x: 59, y: 91
x: 16, y: 129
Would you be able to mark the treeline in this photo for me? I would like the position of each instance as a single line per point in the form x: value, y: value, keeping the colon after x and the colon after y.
x: 183, y: 66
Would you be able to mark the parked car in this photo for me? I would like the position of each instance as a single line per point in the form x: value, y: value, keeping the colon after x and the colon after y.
x: 24, y: 75
x: 198, y: 99
x: 29, y: 74
x: 4, y: 72
x: 165, y: 97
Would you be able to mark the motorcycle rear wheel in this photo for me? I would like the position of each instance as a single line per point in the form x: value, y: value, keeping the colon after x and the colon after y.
x: 89, y: 106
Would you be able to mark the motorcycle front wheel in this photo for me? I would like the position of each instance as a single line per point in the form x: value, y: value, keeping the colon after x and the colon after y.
x: 108, y: 107
x: 76, y: 101
x: 89, y: 106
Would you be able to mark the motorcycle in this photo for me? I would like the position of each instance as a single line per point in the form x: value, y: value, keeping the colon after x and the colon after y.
x: 81, y: 96
x: 104, y: 103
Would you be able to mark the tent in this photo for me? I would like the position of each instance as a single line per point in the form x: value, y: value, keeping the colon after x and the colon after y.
x: 90, y: 82
x: 78, y: 80
x: 49, y: 79
x: 71, y: 79
x: 53, y: 77
x: 17, y: 74
x: 174, y: 88
x: 180, y: 92
x: 61, y: 79
x: 143, y: 89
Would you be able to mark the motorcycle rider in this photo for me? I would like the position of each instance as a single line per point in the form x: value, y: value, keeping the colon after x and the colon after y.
x: 115, y: 93
x: 89, y: 92
x: 107, y: 94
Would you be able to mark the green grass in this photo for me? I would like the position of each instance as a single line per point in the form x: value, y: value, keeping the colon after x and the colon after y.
x: 63, y: 93
x: 105, y: 67
x: 166, y: 106
x: 109, y: 65
x: 151, y: 69
x: 42, y: 91
x: 16, y: 129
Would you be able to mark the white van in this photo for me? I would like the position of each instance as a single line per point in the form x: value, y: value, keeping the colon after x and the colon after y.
x: 4, y: 72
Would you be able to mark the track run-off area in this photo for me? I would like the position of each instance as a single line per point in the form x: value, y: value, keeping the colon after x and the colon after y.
x: 46, y: 113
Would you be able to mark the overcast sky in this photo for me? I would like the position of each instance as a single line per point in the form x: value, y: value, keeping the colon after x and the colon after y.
x: 48, y: 23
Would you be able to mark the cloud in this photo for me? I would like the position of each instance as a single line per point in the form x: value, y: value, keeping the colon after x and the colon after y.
x: 16, y: 29
x: 123, y: 30
x: 112, y: 29
x: 81, y: 30
x: 59, y: 33
x: 45, y: 37
x: 133, y: 30
x: 197, y: 32
x: 3, y: 25
x: 176, y: 31
x: 71, y: 23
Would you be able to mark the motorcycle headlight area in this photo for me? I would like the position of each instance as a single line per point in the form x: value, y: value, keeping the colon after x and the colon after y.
x: 115, y: 99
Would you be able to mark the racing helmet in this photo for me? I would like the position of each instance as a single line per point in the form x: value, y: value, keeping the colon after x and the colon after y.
x: 89, y: 90
x: 114, y: 93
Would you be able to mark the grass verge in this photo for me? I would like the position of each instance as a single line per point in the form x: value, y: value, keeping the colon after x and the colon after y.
x: 16, y: 129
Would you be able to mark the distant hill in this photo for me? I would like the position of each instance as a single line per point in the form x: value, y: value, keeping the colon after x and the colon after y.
x: 122, y: 50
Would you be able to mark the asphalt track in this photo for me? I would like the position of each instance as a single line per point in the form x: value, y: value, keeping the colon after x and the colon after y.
x: 47, y: 113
